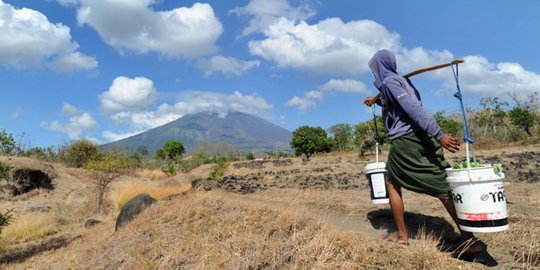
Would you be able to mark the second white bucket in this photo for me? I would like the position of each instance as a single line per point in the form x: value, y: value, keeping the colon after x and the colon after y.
x: 479, y: 198
x: 376, y: 176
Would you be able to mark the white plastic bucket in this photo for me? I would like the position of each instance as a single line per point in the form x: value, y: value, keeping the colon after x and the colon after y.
x: 479, y: 198
x: 376, y: 176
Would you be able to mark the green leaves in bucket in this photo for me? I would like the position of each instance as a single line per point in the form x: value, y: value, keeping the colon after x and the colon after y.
x: 463, y: 165
x: 497, y: 168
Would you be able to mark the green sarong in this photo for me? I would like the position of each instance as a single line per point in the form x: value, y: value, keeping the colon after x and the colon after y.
x: 416, y: 162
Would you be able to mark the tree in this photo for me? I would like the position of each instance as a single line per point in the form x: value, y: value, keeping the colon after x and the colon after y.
x: 522, y: 118
x: 105, y: 169
x: 342, y: 136
x: 365, y: 135
x: 7, y: 143
x: 79, y: 152
x: 493, y: 113
x: 172, y: 149
x: 310, y: 140
x: 448, y: 124
x: 141, y: 152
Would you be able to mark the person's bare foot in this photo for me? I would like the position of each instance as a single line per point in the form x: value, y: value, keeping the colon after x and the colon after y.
x: 393, y: 237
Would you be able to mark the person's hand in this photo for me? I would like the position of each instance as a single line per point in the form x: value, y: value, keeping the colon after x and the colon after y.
x: 369, y: 101
x: 449, y: 143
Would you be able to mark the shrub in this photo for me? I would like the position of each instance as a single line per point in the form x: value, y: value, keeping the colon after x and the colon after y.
x: 5, y: 219
x: 79, y: 153
x: 219, y: 168
x: 7, y: 143
x: 5, y: 171
x: 105, y: 170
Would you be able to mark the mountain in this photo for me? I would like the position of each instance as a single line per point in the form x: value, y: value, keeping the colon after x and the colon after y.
x: 239, y: 130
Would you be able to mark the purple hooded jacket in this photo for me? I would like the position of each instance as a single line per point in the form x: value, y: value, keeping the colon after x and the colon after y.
x: 402, y: 109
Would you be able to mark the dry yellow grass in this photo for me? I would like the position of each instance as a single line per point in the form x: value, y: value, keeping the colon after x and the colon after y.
x: 151, y: 174
x: 29, y: 227
x: 124, y: 193
x: 209, y: 230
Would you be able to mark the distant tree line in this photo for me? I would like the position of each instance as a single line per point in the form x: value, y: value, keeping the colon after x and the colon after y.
x: 494, y: 124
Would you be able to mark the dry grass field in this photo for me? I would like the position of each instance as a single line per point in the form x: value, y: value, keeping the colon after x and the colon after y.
x: 275, y: 214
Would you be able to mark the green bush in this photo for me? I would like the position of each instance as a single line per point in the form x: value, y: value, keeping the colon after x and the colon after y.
x: 79, y: 153
x: 7, y: 143
x: 219, y: 168
x: 5, y: 171
x: 5, y: 219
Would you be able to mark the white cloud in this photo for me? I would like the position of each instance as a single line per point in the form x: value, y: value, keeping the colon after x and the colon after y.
x: 134, y: 26
x: 312, y: 98
x: 332, y: 47
x: 478, y: 76
x: 78, y: 123
x: 348, y: 85
x: 125, y: 93
x: 301, y: 103
x: 266, y: 12
x: 329, y: 47
x: 69, y: 109
x: 194, y: 102
x: 73, y: 61
x: 34, y: 41
x: 110, y: 136
x: 226, y: 65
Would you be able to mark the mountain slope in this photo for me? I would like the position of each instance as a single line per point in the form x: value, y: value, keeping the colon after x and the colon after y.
x: 239, y: 130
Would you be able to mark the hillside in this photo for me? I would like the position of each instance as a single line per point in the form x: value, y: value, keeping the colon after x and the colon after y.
x: 239, y: 130
x: 273, y: 214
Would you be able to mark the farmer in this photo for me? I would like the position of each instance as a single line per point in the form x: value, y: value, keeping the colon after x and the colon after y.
x: 415, y: 160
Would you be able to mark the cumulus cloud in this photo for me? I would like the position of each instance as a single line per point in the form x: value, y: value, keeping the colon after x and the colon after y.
x: 110, y: 136
x: 312, y: 98
x: 34, y: 41
x: 329, y: 47
x: 78, y: 122
x: 134, y: 26
x: 226, y: 65
x: 480, y: 77
x: 125, y: 93
x: 69, y: 109
x: 264, y: 13
x: 301, y: 103
x: 73, y: 61
x: 334, y: 47
x: 194, y: 102
x: 348, y: 85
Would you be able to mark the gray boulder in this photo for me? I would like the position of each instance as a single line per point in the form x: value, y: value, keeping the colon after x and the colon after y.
x: 132, y: 208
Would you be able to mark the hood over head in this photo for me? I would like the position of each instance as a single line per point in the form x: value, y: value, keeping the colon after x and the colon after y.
x: 383, y: 64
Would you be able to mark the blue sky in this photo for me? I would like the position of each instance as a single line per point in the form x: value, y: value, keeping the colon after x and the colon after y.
x: 107, y: 69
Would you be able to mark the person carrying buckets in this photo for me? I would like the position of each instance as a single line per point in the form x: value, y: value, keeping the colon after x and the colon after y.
x: 415, y: 160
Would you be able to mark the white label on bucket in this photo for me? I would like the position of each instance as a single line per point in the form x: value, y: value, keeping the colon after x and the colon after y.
x: 379, y: 185
x: 479, y: 201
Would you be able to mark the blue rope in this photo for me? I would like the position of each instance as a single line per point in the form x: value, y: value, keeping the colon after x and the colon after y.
x: 458, y: 95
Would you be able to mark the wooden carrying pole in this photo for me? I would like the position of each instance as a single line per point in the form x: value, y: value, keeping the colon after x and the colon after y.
x: 422, y: 70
